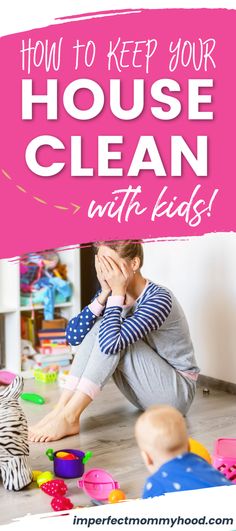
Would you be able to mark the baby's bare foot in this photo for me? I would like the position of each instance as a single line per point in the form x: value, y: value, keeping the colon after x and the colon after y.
x: 56, y: 428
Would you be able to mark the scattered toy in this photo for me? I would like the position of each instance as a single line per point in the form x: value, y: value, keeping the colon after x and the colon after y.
x: 224, y: 458
x: 197, y: 448
x: 116, y: 496
x: 67, y: 456
x: 68, y: 463
x: 97, y: 483
x: 62, y: 455
x: 54, y: 487
x: 36, y: 474
x: 6, y: 377
x: 60, y: 503
x: 44, y: 478
x: 46, y: 375
x: 33, y: 397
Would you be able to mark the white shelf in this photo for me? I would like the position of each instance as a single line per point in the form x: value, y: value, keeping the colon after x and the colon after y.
x: 40, y: 306
x: 8, y: 309
x: 12, y: 310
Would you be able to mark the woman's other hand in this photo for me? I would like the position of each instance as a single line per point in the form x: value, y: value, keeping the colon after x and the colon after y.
x: 106, y: 290
x: 116, y: 275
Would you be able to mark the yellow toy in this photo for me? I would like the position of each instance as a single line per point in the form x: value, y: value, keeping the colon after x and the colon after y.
x: 62, y: 454
x: 36, y: 474
x: 44, y: 477
x: 197, y: 448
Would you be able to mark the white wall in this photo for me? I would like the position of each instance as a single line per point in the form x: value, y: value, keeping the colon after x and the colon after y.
x: 202, y: 274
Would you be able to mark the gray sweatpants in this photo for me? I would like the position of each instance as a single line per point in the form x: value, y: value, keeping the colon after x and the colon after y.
x: 142, y: 376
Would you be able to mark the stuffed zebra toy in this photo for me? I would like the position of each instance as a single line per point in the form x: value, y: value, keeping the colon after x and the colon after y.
x: 14, y: 449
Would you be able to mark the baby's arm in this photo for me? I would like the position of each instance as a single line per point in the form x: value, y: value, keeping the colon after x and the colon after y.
x: 116, y: 334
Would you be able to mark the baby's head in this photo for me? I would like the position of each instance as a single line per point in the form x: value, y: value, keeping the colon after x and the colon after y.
x: 161, y: 435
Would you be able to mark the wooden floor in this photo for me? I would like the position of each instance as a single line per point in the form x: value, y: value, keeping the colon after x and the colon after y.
x: 107, y: 430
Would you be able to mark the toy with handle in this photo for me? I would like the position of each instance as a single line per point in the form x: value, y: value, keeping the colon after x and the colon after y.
x: 68, y: 463
x: 97, y: 483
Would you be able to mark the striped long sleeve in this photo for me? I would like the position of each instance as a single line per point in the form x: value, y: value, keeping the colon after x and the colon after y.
x: 152, y: 310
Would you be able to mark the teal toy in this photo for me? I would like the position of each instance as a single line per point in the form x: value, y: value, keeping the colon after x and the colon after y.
x: 32, y: 397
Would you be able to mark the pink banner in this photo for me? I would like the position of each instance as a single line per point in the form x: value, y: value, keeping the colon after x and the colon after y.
x: 118, y: 127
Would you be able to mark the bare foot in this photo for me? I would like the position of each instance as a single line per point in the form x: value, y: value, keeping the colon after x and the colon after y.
x: 63, y: 401
x: 56, y: 428
x: 45, y: 420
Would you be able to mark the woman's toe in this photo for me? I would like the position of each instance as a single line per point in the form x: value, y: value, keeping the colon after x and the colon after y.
x: 43, y: 438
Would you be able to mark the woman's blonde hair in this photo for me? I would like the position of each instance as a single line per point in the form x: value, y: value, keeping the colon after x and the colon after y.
x: 127, y: 249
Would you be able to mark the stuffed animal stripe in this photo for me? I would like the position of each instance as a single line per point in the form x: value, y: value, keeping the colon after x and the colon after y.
x: 14, y: 449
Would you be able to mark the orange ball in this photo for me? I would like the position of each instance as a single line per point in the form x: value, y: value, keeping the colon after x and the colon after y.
x: 116, y: 496
x: 197, y: 448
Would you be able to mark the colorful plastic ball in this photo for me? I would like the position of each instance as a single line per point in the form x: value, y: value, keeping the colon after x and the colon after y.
x: 54, y: 487
x: 197, y: 448
x: 116, y: 496
x: 60, y: 503
x: 44, y: 477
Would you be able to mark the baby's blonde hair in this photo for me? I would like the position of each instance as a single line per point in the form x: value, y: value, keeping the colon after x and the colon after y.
x: 162, y: 429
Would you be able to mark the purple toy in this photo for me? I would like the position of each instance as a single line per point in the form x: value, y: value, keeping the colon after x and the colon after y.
x: 97, y: 483
x: 64, y: 468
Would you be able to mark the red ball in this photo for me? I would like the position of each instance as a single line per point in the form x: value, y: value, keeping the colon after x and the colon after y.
x: 60, y: 503
x: 54, y: 487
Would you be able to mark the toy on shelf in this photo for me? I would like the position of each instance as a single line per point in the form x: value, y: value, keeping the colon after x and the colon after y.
x: 97, y: 483
x: 197, y: 448
x: 6, y: 377
x: 33, y: 397
x: 54, y: 487
x: 116, y: 496
x: 44, y: 477
x: 68, y: 463
x: 42, y: 282
x: 15, y: 469
x: 224, y: 458
x: 60, y: 503
x: 52, y: 341
x: 46, y: 375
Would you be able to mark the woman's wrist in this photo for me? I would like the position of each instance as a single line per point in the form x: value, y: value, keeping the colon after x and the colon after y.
x: 118, y: 292
x: 103, y: 296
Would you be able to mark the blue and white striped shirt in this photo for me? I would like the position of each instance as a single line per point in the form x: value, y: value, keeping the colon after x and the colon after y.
x: 152, y: 309
x: 116, y: 333
x: 156, y: 317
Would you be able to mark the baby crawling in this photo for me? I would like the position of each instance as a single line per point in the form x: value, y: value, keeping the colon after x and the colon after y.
x: 162, y: 437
